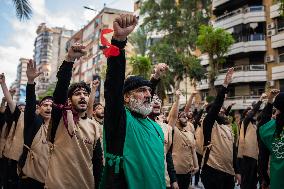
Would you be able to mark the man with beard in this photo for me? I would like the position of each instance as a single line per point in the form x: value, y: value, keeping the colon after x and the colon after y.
x: 184, y: 154
x: 134, y: 143
x: 219, y: 163
x: 34, y: 159
x: 171, y: 181
x: 11, y: 117
x: 75, y: 154
x: 248, y: 148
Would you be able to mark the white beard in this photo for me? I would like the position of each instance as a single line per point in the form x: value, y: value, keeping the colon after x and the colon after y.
x: 139, y: 106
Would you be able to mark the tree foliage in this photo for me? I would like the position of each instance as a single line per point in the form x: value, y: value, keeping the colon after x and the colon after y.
x: 141, y: 65
x: 48, y: 92
x: 139, y: 39
x: 23, y: 9
x: 216, y: 43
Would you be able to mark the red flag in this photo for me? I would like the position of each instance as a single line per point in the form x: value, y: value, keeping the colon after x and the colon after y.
x: 110, y: 50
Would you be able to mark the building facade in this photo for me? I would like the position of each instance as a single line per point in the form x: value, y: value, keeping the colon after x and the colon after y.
x: 93, y: 65
x: 21, y: 81
x: 256, y: 53
x: 49, y: 52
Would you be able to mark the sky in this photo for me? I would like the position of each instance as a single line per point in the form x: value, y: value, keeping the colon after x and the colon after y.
x: 17, y: 38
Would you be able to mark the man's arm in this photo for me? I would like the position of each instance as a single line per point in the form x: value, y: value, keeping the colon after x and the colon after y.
x: 189, y: 102
x: 7, y: 94
x: 60, y: 94
x: 228, y: 109
x: 173, y: 115
x: 95, y: 85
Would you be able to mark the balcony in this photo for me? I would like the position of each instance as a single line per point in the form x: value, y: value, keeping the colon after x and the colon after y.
x: 243, y: 74
x: 204, y: 59
x: 251, y: 43
x: 241, y: 16
x: 216, y: 3
x: 278, y: 72
x: 277, y: 40
x: 275, y: 10
x: 242, y: 102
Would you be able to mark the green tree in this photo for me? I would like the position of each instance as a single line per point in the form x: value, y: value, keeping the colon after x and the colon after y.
x: 139, y: 39
x: 216, y: 43
x: 178, y: 22
x: 23, y: 9
x: 48, y: 92
x: 141, y: 65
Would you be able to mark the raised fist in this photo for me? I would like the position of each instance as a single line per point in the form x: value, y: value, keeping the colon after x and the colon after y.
x: 95, y: 84
x: 2, y: 78
x: 76, y: 51
x: 123, y: 26
x: 160, y: 70
x: 178, y: 93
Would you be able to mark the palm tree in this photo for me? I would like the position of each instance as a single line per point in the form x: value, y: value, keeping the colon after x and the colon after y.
x: 23, y: 9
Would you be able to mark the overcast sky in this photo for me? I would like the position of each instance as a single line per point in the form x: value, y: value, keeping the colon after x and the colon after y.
x: 17, y: 38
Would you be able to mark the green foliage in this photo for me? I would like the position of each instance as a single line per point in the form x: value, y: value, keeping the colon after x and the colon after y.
x: 139, y: 39
x: 48, y: 92
x: 23, y: 9
x: 141, y: 65
x: 210, y: 99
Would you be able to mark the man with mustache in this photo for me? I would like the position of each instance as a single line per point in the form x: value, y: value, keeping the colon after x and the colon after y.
x: 134, y: 143
x: 75, y: 149
x: 11, y: 117
x: 184, y: 153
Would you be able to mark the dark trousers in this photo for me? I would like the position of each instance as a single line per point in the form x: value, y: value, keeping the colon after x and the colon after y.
x: 10, y: 176
x: 215, y: 179
x: 183, y: 180
x: 1, y: 172
x: 197, y: 175
x: 249, y: 173
x: 29, y: 183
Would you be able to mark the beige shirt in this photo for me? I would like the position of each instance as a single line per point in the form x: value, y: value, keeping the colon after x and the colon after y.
x: 70, y: 165
x: 37, y: 159
x: 221, y: 153
x: 182, y: 151
x: 248, y: 144
x: 167, y: 130
x: 17, y: 140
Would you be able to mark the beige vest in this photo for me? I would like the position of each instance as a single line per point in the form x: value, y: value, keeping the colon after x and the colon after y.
x: 70, y: 165
x: 190, y: 127
x: 248, y: 142
x: 167, y: 130
x: 37, y: 158
x: 199, y: 140
x: 9, y: 140
x: 3, y: 139
x: 17, y: 141
x: 182, y: 151
x: 221, y: 153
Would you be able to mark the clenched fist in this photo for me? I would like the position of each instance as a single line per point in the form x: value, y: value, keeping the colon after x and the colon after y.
x: 76, y: 51
x: 123, y: 26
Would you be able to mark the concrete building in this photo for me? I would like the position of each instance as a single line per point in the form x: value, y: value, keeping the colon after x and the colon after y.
x: 21, y: 81
x: 256, y: 53
x: 93, y: 65
x: 49, y: 53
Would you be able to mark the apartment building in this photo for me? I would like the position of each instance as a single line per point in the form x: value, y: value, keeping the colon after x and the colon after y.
x: 256, y: 53
x: 49, y: 52
x: 21, y: 81
x: 93, y: 65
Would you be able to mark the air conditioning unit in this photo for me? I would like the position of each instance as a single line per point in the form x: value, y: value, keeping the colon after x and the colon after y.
x: 271, y: 32
x: 270, y: 26
x: 269, y: 58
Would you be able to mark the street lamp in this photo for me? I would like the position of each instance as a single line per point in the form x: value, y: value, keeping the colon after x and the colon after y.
x: 85, y: 7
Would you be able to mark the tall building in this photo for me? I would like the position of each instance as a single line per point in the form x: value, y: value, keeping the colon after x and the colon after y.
x: 93, y: 65
x: 49, y: 53
x: 255, y: 53
x: 21, y: 81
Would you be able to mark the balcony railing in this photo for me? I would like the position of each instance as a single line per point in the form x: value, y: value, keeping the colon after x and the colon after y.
x: 260, y: 67
x: 241, y: 102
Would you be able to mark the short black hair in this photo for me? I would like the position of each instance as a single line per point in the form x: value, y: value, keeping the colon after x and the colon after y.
x: 75, y: 86
x: 96, y: 105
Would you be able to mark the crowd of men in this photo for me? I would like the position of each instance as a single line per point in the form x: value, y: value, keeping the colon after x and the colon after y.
x: 69, y: 141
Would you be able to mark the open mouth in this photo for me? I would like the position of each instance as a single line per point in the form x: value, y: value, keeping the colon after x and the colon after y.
x: 83, y: 102
x: 47, y: 112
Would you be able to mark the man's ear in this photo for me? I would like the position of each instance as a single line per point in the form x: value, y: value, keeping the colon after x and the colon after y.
x: 126, y: 97
x: 69, y: 101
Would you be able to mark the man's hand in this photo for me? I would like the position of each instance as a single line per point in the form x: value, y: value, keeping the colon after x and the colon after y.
x: 12, y: 92
x: 229, y: 77
x: 95, y: 84
x: 32, y: 72
x: 178, y: 94
x: 76, y: 51
x: 272, y: 94
x: 263, y: 96
x: 123, y: 26
x: 2, y: 78
x: 160, y: 70
x: 3, y: 100
x: 238, y: 179
x: 233, y: 103
x: 175, y: 185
